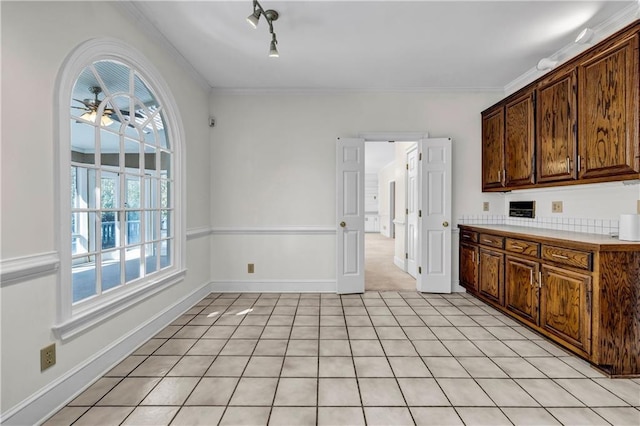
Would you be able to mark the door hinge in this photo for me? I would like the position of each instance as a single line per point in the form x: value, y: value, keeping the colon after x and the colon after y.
x: 420, y: 157
x: 419, y: 269
x: 407, y: 166
x: 419, y: 213
x: 407, y: 211
x: 406, y: 255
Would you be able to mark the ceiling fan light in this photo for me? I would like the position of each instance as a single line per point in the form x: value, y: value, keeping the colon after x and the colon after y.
x: 254, y: 18
x: 89, y: 116
x: 106, y: 121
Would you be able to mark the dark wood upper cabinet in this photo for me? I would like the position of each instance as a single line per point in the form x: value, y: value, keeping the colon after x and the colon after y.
x: 608, y: 119
x: 519, y: 141
x: 556, y: 145
x: 578, y: 124
x: 493, y: 148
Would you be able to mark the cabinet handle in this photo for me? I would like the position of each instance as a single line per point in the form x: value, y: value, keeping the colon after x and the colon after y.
x: 487, y: 241
x: 539, y: 279
x: 559, y: 256
x: 466, y: 236
x: 568, y: 165
x: 473, y: 257
x: 531, y: 278
x: 579, y: 163
x: 516, y: 246
x: 499, y: 176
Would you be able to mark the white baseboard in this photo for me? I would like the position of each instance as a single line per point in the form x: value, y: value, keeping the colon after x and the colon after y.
x: 44, y: 403
x: 274, y: 286
x: 457, y: 288
x: 398, y: 262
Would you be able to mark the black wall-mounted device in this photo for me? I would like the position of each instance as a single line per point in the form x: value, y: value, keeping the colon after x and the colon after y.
x: 522, y: 209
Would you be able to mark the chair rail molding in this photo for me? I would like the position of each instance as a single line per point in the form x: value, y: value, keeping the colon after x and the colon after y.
x: 274, y: 230
x: 17, y: 269
x: 200, y: 232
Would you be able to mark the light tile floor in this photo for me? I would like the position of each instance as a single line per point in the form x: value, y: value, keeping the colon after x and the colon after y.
x: 380, y: 358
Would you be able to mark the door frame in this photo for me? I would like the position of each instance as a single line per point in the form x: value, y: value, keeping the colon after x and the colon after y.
x: 381, y: 137
x: 416, y: 252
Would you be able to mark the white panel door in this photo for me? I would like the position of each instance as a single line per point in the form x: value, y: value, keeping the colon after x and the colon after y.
x: 435, y: 220
x: 350, y: 215
x: 412, y: 212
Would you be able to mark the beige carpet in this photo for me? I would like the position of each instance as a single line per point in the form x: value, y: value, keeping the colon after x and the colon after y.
x: 380, y: 272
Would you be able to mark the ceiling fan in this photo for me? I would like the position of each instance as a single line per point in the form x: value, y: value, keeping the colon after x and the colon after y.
x: 91, y: 108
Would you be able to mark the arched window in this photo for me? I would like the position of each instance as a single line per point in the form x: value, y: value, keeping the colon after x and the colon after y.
x: 119, y: 182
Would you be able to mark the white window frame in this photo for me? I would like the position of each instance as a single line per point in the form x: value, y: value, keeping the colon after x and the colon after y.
x: 72, y: 320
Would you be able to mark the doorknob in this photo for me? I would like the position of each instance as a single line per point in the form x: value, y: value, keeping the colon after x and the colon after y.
x: 445, y: 223
x: 343, y: 224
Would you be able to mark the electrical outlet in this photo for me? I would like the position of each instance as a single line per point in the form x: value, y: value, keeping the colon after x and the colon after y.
x: 47, y: 356
x: 485, y: 206
x: 250, y: 268
x: 556, y: 207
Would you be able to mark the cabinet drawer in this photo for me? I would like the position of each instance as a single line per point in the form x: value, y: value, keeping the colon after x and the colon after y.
x: 522, y: 247
x: 576, y: 258
x: 492, y: 240
x: 468, y: 236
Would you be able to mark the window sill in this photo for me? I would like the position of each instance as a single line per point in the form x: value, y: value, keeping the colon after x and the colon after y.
x: 95, y: 315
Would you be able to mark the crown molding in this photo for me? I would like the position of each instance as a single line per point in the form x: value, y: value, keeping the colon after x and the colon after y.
x: 353, y: 90
x: 601, y: 31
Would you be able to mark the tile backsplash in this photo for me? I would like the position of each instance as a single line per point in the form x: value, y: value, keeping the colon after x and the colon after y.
x: 590, y: 226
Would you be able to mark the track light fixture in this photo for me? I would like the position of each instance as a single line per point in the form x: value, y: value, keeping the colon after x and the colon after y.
x: 585, y: 36
x: 546, y: 64
x: 270, y: 15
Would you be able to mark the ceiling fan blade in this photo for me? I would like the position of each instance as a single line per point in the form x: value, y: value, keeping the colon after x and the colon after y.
x: 82, y: 102
x: 128, y: 114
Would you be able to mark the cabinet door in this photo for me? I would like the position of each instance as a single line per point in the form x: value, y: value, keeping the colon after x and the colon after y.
x: 608, y: 118
x: 565, y: 306
x: 469, y: 267
x: 493, y: 149
x: 519, y: 139
x: 556, y: 129
x: 521, y: 288
x: 491, y: 284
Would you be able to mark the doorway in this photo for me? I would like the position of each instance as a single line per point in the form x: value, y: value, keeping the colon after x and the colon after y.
x: 434, y: 214
x: 385, y: 251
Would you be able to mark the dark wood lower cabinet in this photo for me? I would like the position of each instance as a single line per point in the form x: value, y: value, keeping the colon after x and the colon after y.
x: 583, y: 294
x: 565, y: 306
x: 521, y: 288
x: 491, y: 275
x: 469, y: 267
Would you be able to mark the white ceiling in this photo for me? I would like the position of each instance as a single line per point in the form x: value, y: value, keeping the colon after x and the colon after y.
x: 377, y: 155
x: 372, y: 45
